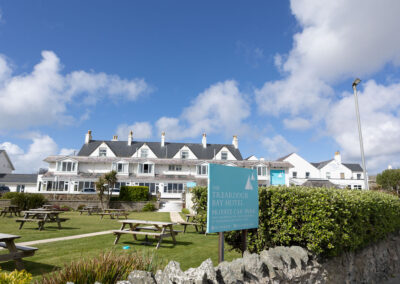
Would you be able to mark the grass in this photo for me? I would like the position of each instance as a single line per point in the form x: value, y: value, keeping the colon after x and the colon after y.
x: 190, y: 250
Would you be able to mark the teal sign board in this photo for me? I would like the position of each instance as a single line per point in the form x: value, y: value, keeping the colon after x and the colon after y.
x: 190, y: 184
x: 277, y: 177
x: 232, y: 199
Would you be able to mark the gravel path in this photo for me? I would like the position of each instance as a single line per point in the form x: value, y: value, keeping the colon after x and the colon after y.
x: 176, y: 217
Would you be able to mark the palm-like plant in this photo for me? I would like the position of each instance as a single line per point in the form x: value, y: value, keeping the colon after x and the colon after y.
x: 111, y: 179
x: 101, y: 187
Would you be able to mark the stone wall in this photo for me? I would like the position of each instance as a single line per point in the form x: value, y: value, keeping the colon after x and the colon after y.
x: 131, y: 206
x: 4, y: 202
x: 373, y: 264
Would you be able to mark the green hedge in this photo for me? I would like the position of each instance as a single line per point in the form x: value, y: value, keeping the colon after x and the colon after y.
x: 325, y: 221
x: 134, y: 193
x: 25, y: 201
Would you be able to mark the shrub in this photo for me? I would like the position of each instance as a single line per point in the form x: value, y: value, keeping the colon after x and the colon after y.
x: 199, y: 199
x: 107, y: 268
x: 185, y: 211
x: 61, y: 208
x: 134, y: 193
x: 148, y: 207
x: 15, y: 277
x: 325, y: 221
x: 81, y: 206
x: 26, y: 201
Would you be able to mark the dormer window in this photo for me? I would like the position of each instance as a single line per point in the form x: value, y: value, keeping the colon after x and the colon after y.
x: 102, y: 152
x: 120, y: 167
x: 66, y: 166
x: 144, y: 153
x: 184, y: 154
x: 224, y: 155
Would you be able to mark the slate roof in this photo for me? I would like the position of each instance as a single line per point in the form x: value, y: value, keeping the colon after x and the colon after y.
x: 16, y: 178
x: 353, y: 167
x: 122, y: 149
x: 320, y: 183
x: 320, y: 165
x: 284, y: 157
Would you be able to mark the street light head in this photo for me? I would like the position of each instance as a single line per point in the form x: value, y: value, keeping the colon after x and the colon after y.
x: 356, y: 82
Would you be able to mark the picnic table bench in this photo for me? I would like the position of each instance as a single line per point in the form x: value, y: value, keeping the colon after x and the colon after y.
x: 41, y: 217
x: 16, y: 252
x: 11, y: 209
x: 114, y: 213
x: 160, y: 230
x: 90, y: 210
x: 188, y: 222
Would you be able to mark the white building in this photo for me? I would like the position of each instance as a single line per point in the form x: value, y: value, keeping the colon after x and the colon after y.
x: 162, y: 166
x: 341, y: 174
x: 16, y: 182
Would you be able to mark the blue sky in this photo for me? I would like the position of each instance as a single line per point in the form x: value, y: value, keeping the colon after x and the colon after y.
x: 277, y: 73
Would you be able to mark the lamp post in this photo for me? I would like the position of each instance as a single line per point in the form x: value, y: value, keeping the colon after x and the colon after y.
x: 355, y: 83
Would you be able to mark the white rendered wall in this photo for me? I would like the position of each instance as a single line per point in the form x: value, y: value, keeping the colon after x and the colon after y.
x: 185, y: 148
x: 150, y: 153
x: 5, y: 167
x: 224, y: 149
x: 301, y: 166
x: 103, y: 145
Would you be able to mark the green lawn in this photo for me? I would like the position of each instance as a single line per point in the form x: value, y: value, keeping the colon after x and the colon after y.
x: 190, y: 250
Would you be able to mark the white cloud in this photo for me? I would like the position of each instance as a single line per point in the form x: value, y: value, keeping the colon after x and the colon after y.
x: 43, y: 96
x: 277, y: 146
x: 141, y: 130
x: 67, y: 152
x: 31, y: 160
x: 221, y: 108
x: 380, y: 119
x: 338, y: 41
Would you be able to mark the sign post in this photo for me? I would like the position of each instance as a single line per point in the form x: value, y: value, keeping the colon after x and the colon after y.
x: 232, y: 202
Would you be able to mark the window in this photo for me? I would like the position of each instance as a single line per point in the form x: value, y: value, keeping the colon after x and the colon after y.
x: 184, y: 154
x: 153, y: 187
x: 328, y: 175
x: 146, y: 168
x: 20, y: 187
x: 357, y: 186
x: 173, y: 188
x: 175, y: 168
x: 342, y: 175
x: 102, y: 152
x: 307, y: 174
x: 144, y: 153
x: 66, y: 166
x: 224, y: 155
x: 349, y: 186
x: 261, y: 170
x: 294, y: 174
x: 202, y: 170
x: 358, y: 176
x: 121, y: 168
x: 57, y: 185
x: 84, y: 184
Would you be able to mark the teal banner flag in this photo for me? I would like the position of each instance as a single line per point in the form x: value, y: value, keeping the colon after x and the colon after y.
x: 232, y: 199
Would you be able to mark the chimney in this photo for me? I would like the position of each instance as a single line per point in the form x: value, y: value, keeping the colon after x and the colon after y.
x: 115, y: 138
x: 235, y: 142
x: 204, y: 140
x: 130, y: 137
x: 389, y: 167
x: 88, y: 136
x: 162, y: 139
x: 338, y: 157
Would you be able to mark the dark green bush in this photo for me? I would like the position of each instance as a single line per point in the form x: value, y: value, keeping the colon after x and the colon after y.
x: 134, y: 193
x: 185, y: 211
x: 26, y: 201
x: 199, y: 199
x: 325, y: 221
x: 149, y: 207
x: 107, y: 268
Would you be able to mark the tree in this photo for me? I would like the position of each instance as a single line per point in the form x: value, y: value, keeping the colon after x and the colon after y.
x: 389, y: 180
x: 111, y: 179
x: 101, y: 187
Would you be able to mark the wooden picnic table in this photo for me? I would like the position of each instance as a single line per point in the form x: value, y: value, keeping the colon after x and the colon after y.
x: 189, y: 222
x: 16, y: 252
x: 114, y: 213
x: 41, y: 217
x: 156, y: 229
x: 90, y: 209
x: 11, y: 209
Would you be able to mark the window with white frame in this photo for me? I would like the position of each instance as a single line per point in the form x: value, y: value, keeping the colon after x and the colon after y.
x: 307, y: 174
x: 121, y: 167
x: 358, y: 176
x: 294, y: 175
x: 202, y: 170
x: 102, y: 152
x: 175, y: 168
x: 357, y: 186
x: 184, y: 154
x: 144, y: 153
x: 261, y: 170
x: 65, y: 166
x: 224, y: 155
x: 328, y: 175
x: 146, y: 168
x: 342, y: 175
